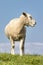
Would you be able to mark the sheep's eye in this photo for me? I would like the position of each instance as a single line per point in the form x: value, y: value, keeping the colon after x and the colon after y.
x: 30, y: 17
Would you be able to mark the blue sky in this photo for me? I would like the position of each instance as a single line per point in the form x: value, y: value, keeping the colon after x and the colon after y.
x: 10, y: 9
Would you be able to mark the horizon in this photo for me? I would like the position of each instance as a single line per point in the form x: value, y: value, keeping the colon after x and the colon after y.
x: 30, y: 48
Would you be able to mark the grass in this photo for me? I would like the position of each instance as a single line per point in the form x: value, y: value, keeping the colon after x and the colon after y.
x: 7, y: 59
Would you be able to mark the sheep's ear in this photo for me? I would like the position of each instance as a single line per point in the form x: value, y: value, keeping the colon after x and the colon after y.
x: 24, y: 14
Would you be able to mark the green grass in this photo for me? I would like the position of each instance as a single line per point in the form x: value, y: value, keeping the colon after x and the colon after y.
x: 7, y: 59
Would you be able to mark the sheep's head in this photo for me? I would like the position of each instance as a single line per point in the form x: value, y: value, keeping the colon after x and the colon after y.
x: 29, y: 21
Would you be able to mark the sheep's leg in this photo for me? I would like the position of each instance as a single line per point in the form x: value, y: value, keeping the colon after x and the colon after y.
x: 12, y: 46
x: 22, y: 47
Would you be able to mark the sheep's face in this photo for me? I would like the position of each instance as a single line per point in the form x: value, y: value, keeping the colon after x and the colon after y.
x: 29, y: 21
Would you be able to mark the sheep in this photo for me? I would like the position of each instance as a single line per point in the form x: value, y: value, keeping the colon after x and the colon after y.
x: 15, y: 30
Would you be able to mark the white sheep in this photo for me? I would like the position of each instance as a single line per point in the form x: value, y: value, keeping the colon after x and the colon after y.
x: 15, y: 30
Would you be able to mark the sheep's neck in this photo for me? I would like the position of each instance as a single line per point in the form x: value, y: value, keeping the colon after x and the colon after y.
x: 20, y: 26
x: 17, y: 26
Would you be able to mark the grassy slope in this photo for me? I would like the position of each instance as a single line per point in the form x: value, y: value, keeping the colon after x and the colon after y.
x: 7, y: 59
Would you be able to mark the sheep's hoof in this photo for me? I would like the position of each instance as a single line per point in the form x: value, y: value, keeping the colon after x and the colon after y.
x: 12, y: 53
x: 21, y: 54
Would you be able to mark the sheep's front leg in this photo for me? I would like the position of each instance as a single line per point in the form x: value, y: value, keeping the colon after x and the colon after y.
x: 22, y: 47
x: 12, y: 46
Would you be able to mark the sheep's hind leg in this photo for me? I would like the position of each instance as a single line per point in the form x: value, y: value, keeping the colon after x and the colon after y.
x: 12, y: 45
